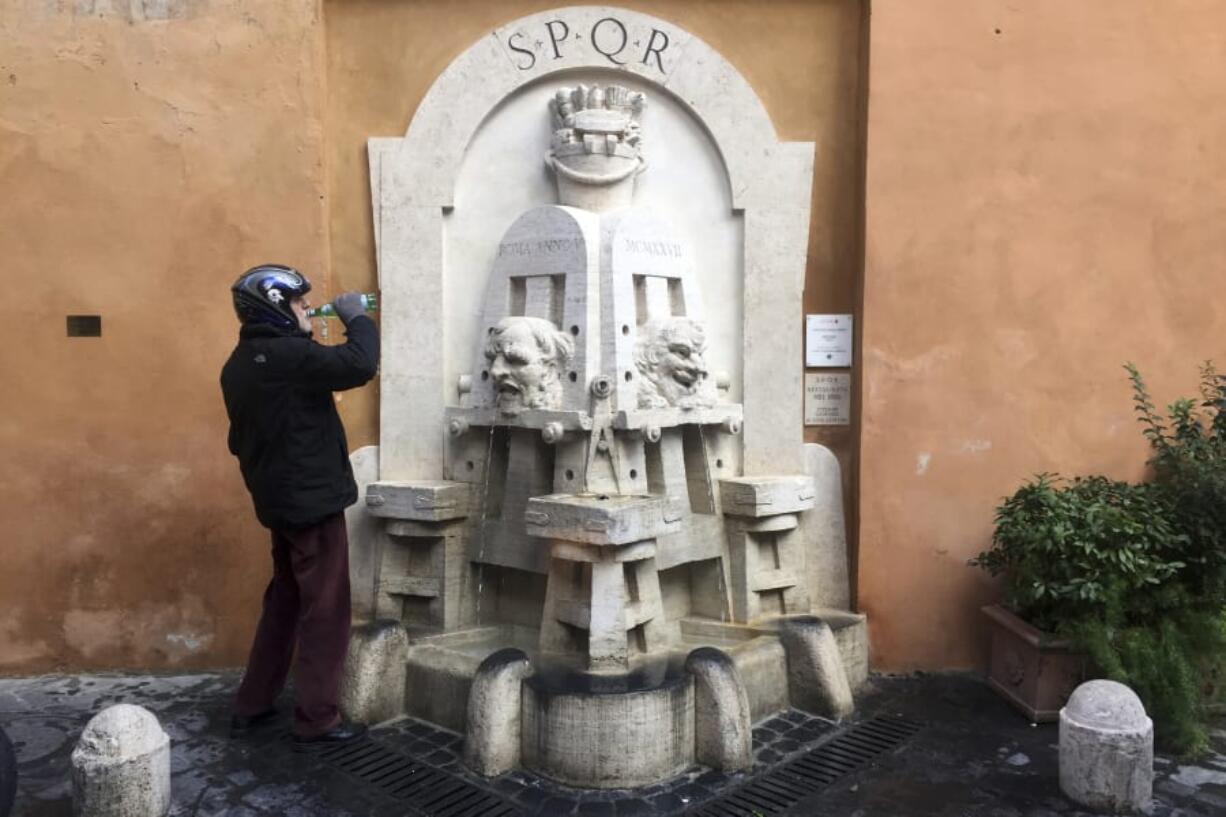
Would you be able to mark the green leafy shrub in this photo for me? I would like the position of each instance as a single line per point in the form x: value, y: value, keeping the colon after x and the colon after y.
x: 1177, y: 661
x: 1135, y: 574
x: 1068, y: 550
x: 1189, y: 462
x: 1172, y: 661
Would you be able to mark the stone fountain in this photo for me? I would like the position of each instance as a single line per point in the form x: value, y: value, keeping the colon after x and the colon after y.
x: 590, y: 586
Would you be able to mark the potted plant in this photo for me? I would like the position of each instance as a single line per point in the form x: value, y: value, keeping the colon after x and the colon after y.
x: 1068, y: 552
x: 1133, y: 576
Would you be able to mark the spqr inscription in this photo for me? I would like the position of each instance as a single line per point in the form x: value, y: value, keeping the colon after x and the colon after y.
x: 609, y: 37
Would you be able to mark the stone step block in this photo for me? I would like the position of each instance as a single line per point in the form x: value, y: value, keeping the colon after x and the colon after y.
x: 425, y: 500
x: 419, y: 586
x: 774, y: 580
x: 766, y: 496
x: 601, y: 519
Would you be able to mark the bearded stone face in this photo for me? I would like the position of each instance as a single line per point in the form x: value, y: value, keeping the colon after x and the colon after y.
x: 525, y: 358
x: 671, y: 360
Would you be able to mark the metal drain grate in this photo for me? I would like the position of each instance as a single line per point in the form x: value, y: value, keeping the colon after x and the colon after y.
x: 418, y: 785
x: 783, y: 787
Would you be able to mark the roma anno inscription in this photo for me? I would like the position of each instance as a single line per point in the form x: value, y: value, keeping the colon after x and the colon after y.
x: 554, y: 246
x: 545, y: 246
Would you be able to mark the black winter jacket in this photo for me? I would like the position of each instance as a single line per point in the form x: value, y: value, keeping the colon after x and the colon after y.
x: 284, y: 428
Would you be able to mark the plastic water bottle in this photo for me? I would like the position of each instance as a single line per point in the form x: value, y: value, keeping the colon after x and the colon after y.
x: 370, y: 301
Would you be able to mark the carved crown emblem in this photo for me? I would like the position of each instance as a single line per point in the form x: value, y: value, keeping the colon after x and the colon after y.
x: 596, y: 132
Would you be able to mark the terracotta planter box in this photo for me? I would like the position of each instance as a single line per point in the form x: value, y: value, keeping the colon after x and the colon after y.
x: 1033, y: 670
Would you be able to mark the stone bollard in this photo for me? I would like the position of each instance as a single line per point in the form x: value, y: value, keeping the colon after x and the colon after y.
x: 723, y: 734
x: 121, y: 766
x: 817, y: 680
x: 1106, y: 749
x: 492, y: 738
x: 373, y: 679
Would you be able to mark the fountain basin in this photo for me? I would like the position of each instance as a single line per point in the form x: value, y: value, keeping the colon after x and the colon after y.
x: 609, y: 731
x: 618, y: 730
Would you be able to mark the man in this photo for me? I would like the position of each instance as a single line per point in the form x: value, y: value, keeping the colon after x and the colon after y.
x: 291, y: 447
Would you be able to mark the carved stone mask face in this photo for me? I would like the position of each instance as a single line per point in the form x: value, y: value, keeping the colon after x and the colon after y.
x: 524, y: 360
x: 671, y: 359
x: 681, y: 358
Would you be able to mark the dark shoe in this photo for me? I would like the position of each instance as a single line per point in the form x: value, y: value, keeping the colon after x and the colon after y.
x: 241, y: 725
x: 344, y: 732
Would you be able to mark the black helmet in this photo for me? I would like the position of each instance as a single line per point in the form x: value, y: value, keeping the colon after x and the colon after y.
x: 262, y: 295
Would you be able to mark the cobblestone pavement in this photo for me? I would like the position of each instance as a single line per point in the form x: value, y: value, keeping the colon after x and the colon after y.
x: 971, y: 756
x: 975, y: 756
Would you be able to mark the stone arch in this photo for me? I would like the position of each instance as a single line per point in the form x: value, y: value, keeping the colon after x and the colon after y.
x: 710, y: 87
x: 413, y: 181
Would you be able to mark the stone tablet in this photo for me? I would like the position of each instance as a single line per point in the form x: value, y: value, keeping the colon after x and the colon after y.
x: 544, y: 270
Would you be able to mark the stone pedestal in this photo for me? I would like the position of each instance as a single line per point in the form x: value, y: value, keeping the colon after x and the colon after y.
x: 365, y: 532
x: 766, y: 562
x: 1107, y: 749
x: 372, y: 685
x: 602, y: 599
x: 817, y: 680
x: 423, y: 578
x: 121, y: 766
x: 493, y: 725
x: 723, y: 731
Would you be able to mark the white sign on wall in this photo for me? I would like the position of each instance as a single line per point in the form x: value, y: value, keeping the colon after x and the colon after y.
x: 828, y: 341
x: 827, y: 399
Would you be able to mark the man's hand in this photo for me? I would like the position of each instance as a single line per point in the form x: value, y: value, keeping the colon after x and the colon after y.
x: 348, y: 305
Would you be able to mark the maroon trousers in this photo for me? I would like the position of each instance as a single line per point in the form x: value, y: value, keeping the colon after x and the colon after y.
x: 306, y: 603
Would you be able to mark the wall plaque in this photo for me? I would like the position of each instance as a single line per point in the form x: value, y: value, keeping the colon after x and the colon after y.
x: 827, y: 341
x: 827, y: 399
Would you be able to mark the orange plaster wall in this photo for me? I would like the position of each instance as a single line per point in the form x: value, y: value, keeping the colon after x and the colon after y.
x: 1044, y: 202
x: 151, y: 151
x: 144, y: 163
